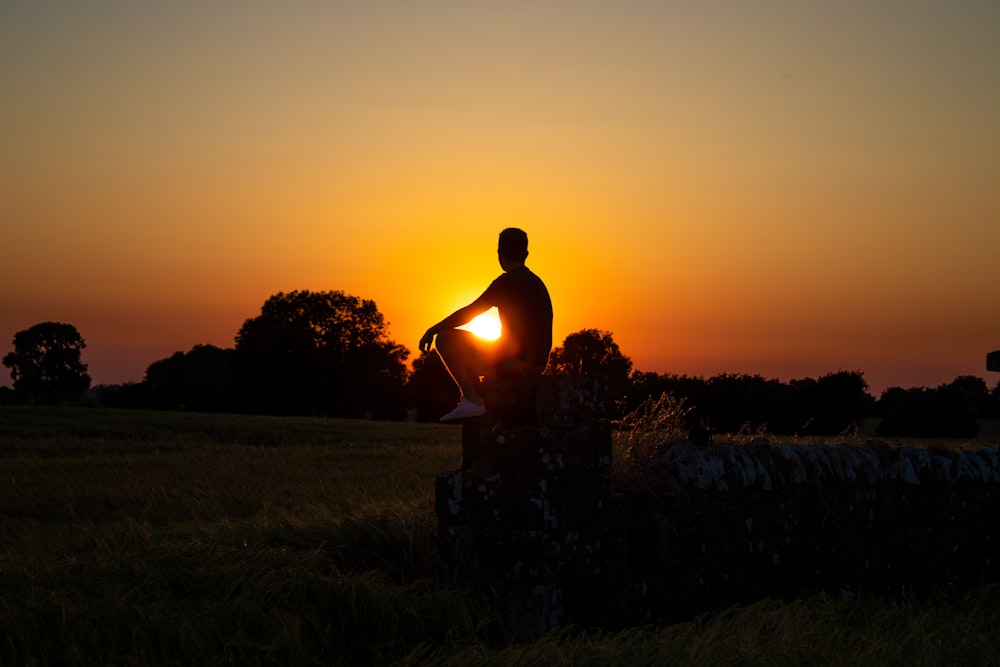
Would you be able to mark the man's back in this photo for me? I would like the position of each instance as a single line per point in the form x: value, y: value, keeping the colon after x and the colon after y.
x: 525, y: 314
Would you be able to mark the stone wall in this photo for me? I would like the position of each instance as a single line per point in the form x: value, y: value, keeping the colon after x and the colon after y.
x: 532, y: 515
x: 728, y: 523
x: 529, y: 513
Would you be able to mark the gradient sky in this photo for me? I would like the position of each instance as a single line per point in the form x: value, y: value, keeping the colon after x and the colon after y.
x: 784, y: 188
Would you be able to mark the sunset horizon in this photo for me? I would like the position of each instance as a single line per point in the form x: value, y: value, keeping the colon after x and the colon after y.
x: 776, y: 190
x: 112, y: 370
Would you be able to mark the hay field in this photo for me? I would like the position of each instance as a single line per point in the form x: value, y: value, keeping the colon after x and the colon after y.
x: 146, y: 538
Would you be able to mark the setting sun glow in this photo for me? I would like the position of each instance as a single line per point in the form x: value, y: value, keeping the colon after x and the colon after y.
x: 486, y: 326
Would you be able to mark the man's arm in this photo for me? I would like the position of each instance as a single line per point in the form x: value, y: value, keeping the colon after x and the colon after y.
x: 458, y: 318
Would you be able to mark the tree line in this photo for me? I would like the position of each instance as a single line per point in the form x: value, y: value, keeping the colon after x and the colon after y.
x: 832, y: 404
x: 329, y: 354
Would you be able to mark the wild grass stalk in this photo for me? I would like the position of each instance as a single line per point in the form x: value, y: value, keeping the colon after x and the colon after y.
x: 644, y: 430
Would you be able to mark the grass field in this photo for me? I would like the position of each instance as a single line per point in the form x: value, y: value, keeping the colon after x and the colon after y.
x: 141, y: 538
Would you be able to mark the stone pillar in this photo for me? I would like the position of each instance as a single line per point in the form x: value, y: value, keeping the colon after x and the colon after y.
x: 529, y: 512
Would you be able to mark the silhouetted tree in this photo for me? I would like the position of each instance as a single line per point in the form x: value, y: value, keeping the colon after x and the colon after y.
x: 592, y: 351
x: 962, y: 402
x: 735, y: 401
x: 801, y: 407
x: 974, y: 392
x: 196, y: 380
x: 324, y: 353
x: 430, y: 388
x: 992, y: 408
x: 946, y: 411
x: 842, y: 401
x: 45, y: 364
x: 908, y: 413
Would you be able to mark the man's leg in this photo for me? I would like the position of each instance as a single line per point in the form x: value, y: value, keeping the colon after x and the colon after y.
x: 460, y: 351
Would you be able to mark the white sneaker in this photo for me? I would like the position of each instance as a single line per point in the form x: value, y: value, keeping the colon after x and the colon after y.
x: 465, y: 410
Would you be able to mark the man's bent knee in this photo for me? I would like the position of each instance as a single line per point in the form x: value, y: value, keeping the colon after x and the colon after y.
x: 450, y: 341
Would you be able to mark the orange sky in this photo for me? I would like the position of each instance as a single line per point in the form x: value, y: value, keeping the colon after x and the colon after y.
x: 781, y: 188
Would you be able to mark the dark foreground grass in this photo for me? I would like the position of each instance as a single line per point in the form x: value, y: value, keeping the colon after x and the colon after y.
x: 179, y: 539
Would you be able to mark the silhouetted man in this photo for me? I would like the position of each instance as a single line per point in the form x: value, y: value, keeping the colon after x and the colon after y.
x: 526, y: 330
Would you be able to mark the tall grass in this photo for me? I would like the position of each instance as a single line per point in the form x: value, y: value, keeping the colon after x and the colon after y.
x: 816, y: 631
x: 641, y: 432
x: 177, y: 539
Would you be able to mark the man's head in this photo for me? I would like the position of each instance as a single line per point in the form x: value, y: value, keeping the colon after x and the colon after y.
x: 513, y: 247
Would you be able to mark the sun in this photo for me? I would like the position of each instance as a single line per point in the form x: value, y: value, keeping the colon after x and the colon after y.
x: 485, y: 326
